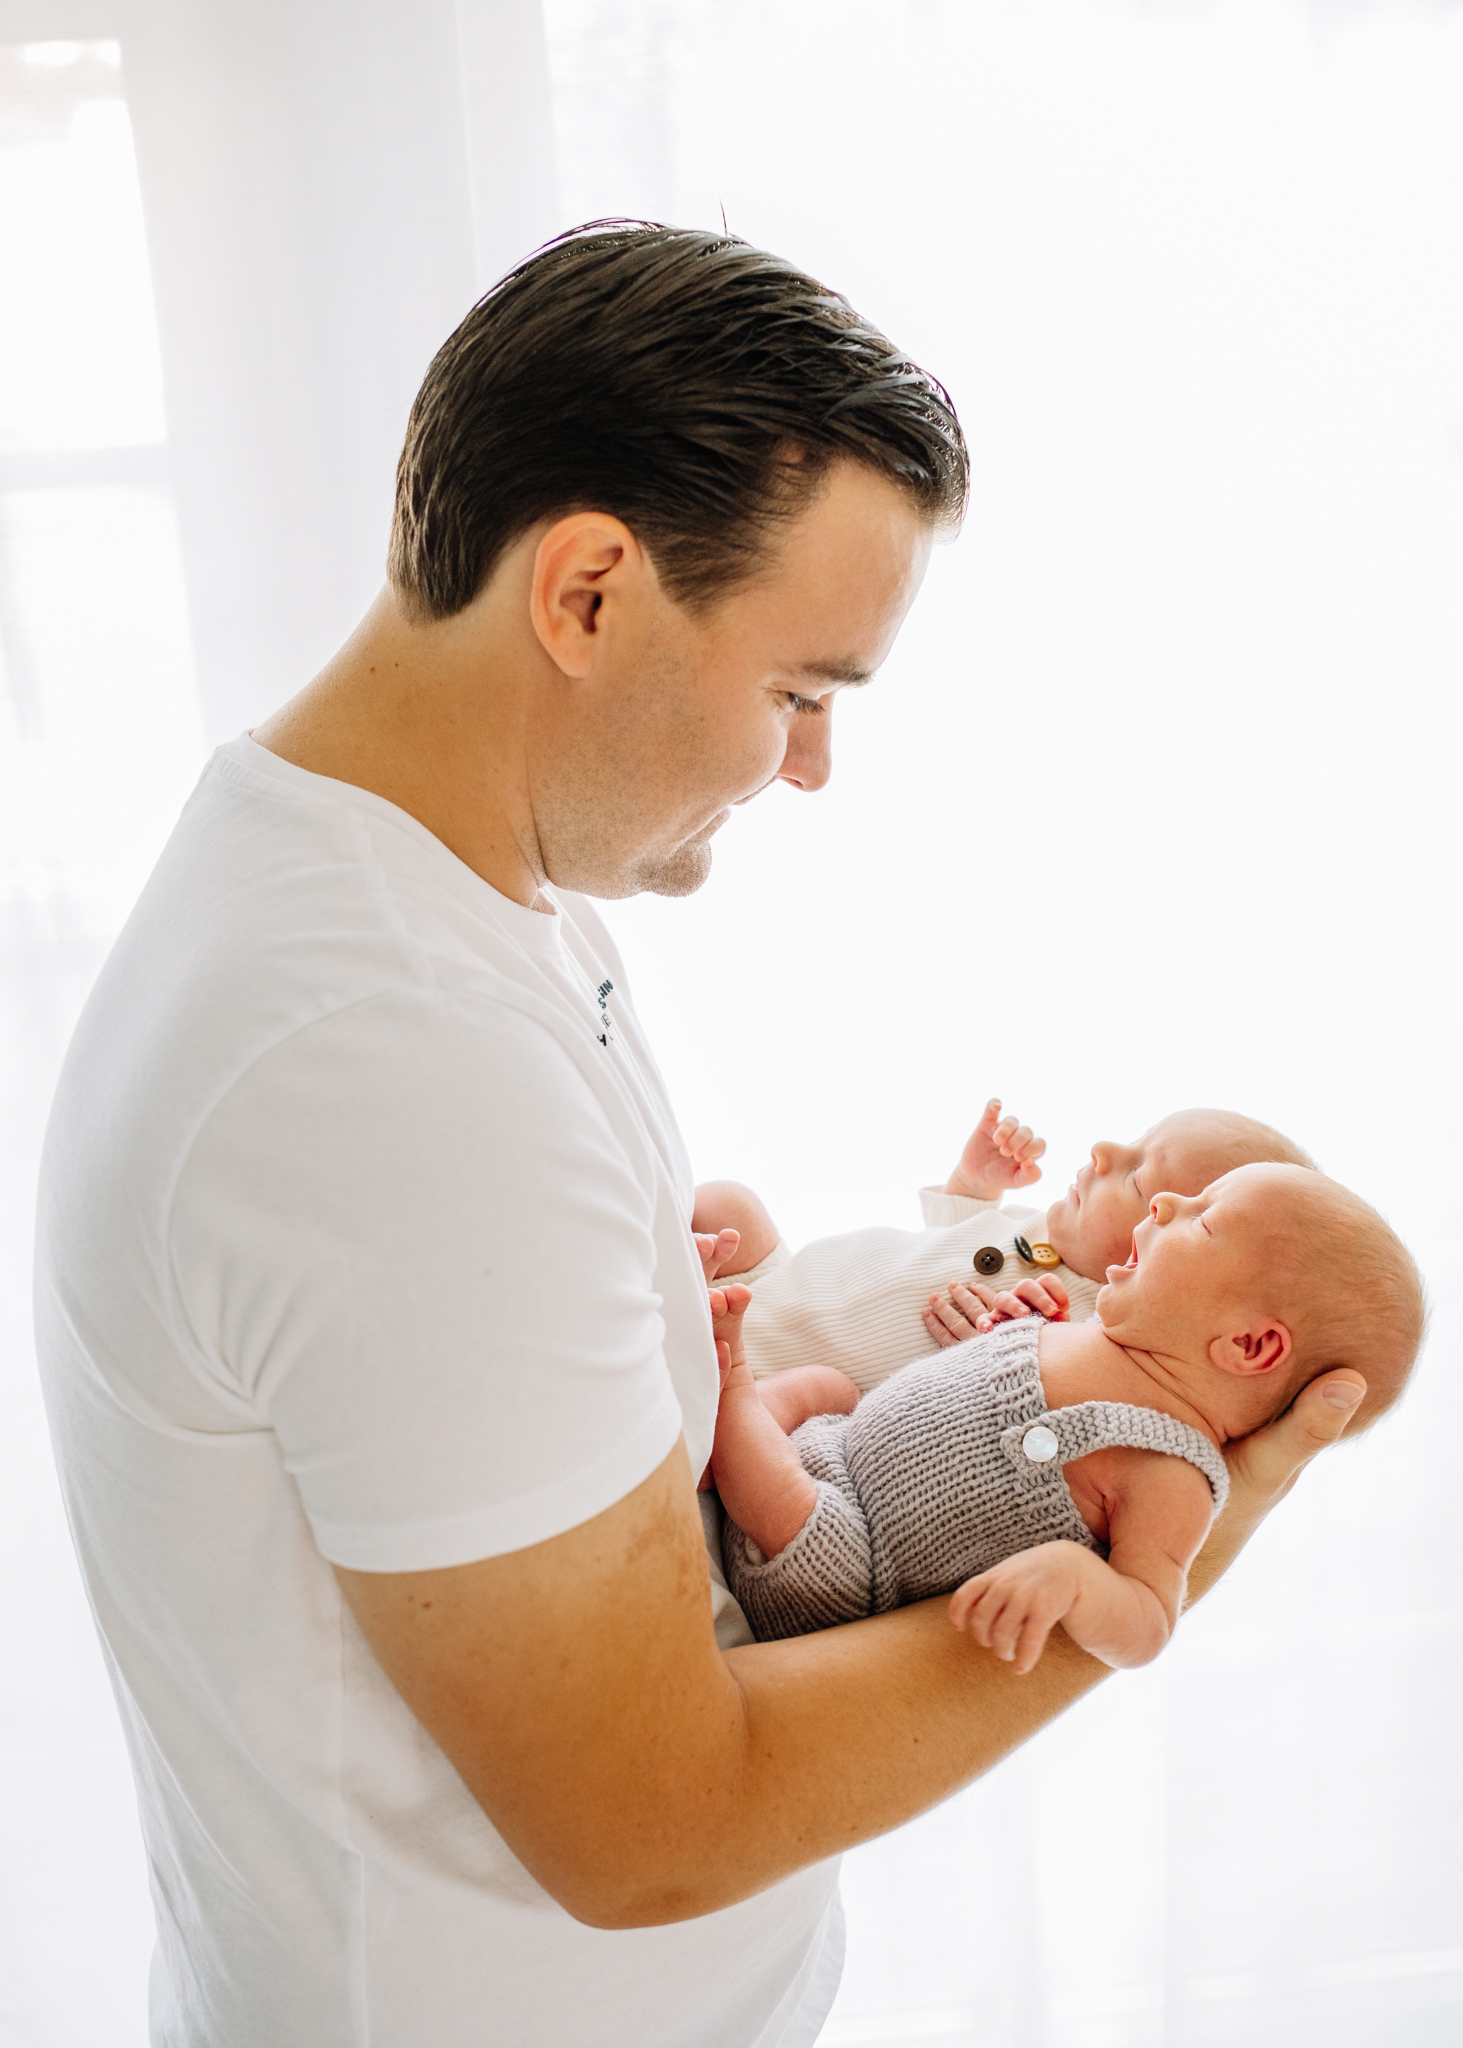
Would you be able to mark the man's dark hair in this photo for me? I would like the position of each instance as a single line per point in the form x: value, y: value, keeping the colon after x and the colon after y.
x: 693, y: 386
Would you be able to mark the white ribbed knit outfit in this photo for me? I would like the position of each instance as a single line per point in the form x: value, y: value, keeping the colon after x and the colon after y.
x: 857, y: 1301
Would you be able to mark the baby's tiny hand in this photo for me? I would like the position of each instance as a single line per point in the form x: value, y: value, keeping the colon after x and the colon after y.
x: 1013, y: 1608
x: 963, y: 1311
x: 1000, y: 1153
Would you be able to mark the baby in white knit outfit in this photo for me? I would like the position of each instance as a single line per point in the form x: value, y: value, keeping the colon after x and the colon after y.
x: 1067, y: 1474
x: 869, y: 1301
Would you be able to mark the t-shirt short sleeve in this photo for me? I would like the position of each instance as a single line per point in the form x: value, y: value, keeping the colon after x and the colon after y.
x: 412, y: 1238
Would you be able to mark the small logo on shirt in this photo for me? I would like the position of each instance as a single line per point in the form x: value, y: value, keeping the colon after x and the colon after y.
x: 606, y: 1036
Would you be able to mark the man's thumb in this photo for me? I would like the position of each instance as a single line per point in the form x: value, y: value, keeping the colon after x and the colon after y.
x: 1322, y: 1410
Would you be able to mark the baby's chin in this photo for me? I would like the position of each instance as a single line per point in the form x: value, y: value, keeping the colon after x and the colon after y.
x: 1068, y: 1243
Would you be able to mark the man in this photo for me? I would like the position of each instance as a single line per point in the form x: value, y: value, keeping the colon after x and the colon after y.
x: 376, y: 1344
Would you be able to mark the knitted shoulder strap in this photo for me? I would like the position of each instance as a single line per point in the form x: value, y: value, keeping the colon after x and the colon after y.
x: 1104, y: 1425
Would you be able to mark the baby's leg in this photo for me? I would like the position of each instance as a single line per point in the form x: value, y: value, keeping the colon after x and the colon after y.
x: 758, y: 1474
x: 727, y: 1205
x: 792, y: 1397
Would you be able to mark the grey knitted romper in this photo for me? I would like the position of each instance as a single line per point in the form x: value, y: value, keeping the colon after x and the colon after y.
x: 929, y: 1482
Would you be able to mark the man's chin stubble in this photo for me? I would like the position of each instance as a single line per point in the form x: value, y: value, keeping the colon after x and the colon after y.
x: 681, y: 875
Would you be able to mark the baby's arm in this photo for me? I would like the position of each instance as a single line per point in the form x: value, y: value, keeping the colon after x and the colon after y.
x: 758, y: 1474
x: 1123, y: 1612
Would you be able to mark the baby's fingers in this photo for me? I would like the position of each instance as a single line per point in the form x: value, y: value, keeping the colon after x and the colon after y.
x: 1046, y: 1297
x: 1030, y: 1643
x: 975, y: 1606
x: 946, y: 1321
x: 963, y: 1599
x: 1011, y: 1615
x: 716, y: 1252
x: 729, y: 1304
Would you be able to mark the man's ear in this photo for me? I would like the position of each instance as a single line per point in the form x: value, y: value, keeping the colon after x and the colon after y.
x: 584, y: 563
x: 1258, y: 1348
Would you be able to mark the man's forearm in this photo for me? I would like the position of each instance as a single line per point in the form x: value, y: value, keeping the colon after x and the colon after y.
x: 853, y: 1731
x: 643, y: 1776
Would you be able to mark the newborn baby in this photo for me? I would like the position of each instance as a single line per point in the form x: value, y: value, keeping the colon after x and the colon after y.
x: 862, y: 1302
x: 1066, y: 1472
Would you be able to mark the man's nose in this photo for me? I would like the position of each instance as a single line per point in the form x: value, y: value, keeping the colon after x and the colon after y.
x: 808, y: 762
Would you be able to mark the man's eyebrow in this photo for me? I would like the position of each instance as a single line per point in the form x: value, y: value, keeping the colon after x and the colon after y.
x: 847, y: 672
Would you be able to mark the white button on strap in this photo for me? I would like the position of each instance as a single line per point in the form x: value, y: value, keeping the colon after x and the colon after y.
x: 1040, y: 1444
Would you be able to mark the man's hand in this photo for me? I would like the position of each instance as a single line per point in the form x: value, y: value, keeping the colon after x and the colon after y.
x: 1000, y: 1153
x: 962, y: 1312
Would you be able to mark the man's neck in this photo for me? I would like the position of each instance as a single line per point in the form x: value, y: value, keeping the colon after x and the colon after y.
x: 458, y: 769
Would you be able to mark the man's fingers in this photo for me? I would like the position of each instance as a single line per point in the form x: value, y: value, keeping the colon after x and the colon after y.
x: 1268, y: 1460
x: 1320, y: 1412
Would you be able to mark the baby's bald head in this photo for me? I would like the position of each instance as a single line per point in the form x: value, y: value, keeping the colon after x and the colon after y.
x: 1202, y: 1145
x: 1345, y: 1284
x: 1268, y: 1277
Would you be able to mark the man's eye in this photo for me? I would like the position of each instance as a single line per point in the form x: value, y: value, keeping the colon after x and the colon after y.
x: 797, y: 703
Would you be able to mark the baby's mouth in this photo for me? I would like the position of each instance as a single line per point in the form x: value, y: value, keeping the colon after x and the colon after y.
x: 1130, y: 1266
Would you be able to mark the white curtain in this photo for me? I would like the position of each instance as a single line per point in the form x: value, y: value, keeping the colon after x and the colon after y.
x: 1154, y: 803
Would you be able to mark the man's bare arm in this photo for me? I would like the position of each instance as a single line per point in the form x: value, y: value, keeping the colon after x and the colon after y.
x: 642, y: 1775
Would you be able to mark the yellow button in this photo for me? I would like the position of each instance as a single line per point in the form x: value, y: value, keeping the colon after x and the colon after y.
x: 1045, y: 1255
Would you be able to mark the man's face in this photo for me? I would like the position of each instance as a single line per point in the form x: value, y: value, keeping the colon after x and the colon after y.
x: 701, y: 710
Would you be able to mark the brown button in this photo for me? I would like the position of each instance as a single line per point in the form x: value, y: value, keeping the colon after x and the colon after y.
x: 988, y: 1259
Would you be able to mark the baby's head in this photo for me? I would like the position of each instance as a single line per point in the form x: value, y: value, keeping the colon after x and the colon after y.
x: 1092, y: 1225
x: 1253, y: 1287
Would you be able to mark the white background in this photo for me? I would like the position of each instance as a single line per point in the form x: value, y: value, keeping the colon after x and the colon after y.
x: 1152, y: 805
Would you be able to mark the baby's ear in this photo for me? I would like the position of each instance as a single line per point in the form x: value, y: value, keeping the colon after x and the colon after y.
x: 1258, y: 1347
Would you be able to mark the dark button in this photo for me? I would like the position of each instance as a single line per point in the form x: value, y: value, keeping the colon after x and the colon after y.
x: 1023, y: 1251
x: 988, y: 1259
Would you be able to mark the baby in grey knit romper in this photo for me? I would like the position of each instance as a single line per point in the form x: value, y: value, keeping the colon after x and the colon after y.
x: 1052, y: 1472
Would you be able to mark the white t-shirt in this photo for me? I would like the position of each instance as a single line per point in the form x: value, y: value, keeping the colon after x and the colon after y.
x: 365, y: 1237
